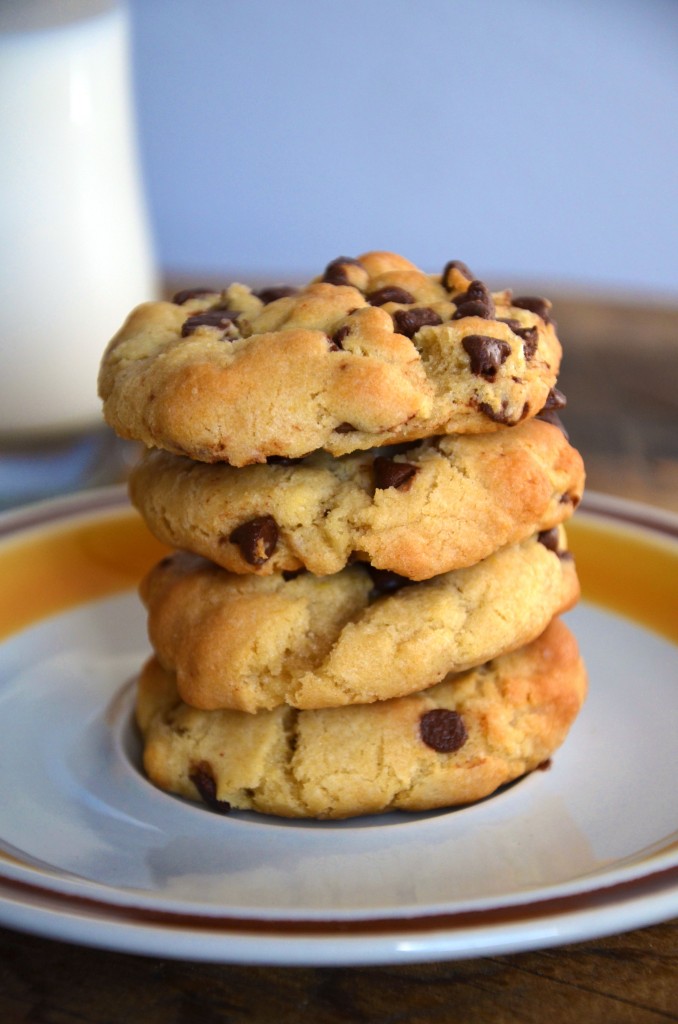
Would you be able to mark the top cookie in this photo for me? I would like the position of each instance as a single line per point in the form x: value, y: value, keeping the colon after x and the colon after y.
x: 375, y: 352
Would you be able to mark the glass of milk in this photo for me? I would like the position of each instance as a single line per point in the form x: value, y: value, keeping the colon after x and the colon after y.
x: 75, y: 251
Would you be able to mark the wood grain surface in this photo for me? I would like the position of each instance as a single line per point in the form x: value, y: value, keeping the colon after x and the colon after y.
x: 626, y: 979
x: 620, y: 375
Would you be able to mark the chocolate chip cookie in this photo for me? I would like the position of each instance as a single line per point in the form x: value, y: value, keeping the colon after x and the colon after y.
x: 442, y: 504
x: 361, y: 635
x: 452, y: 744
x: 373, y: 352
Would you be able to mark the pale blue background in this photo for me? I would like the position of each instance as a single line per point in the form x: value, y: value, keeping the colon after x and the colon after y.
x: 534, y: 139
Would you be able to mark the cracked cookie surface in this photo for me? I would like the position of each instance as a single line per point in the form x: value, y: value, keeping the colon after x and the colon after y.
x: 255, y: 642
x: 452, y: 744
x: 372, y: 353
x: 443, y: 504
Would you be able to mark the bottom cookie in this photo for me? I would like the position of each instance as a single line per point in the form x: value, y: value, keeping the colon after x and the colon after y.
x: 451, y: 744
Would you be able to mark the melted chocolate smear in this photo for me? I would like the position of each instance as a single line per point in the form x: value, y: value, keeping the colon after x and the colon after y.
x: 221, y: 318
x: 345, y: 428
x: 280, y: 291
x: 486, y: 354
x: 443, y: 730
x: 335, y: 273
x: 202, y: 778
x: 390, y: 293
x: 409, y: 321
x: 388, y: 473
x: 190, y: 293
x: 257, y: 539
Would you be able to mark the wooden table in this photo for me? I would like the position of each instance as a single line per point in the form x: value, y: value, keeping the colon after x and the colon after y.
x: 621, y: 378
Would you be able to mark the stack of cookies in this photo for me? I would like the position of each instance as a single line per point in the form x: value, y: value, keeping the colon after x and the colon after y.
x: 364, y: 482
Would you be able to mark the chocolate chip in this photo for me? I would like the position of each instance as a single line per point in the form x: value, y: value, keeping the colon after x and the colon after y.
x: 291, y: 574
x: 477, y: 291
x: 190, y: 293
x: 335, y: 273
x: 501, y: 415
x: 550, y: 539
x: 388, y: 473
x: 409, y: 321
x: 486, y: 354
x: 202, y: 778
x: 280, y: 291
x: 345, y: 428
x: 449, y: 268
x: 385, y: 582
x: 257, y: 539
x: 475, y: 301
x: 552, y: 417
x: 530, y: 336
x: 479, y: 309
x: 390, y: 293
x: 554, y: 400
x: 542, y: 307
x: 443, y: 730
x: 496, y: 415
x: 222, y: 318
x: 338, y: 337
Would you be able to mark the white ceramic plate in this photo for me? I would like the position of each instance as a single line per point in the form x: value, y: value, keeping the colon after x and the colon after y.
x: 90, y: 852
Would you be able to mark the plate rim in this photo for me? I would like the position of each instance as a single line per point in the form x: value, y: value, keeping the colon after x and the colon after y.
x: 414, y: 939
x: 412, y: 936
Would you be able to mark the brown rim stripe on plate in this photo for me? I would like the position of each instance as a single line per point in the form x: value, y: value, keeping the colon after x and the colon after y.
x: 348, y: 927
